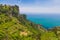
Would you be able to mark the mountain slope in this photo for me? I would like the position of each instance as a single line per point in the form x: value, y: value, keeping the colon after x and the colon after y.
x: 15, y: 26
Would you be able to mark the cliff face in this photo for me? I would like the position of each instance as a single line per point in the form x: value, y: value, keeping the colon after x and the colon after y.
x: 15, y: 26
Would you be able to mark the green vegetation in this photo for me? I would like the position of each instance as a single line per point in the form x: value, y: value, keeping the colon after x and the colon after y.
x: 15, y: 26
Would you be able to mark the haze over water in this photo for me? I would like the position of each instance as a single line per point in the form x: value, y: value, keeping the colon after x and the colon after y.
x: 47, y: 20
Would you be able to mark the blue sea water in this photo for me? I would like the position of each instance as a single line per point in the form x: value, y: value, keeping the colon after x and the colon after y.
x: 47, y: 20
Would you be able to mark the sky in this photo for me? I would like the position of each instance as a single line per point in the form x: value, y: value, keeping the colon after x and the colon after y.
x: 35, y: 6
x: 11, y: 2
x: 40, y: 6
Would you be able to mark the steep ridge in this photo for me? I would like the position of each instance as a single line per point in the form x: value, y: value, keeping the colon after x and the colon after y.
x: 15, y: 26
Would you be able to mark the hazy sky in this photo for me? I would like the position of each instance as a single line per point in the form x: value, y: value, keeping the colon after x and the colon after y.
x: 40, y: 6
x: 35, y: 6
x: 9, y: 2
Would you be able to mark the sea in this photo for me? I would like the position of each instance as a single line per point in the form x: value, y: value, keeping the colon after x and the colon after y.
x: 47, y: 20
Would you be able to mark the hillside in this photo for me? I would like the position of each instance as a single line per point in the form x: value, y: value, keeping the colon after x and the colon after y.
x: 15, y: 26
